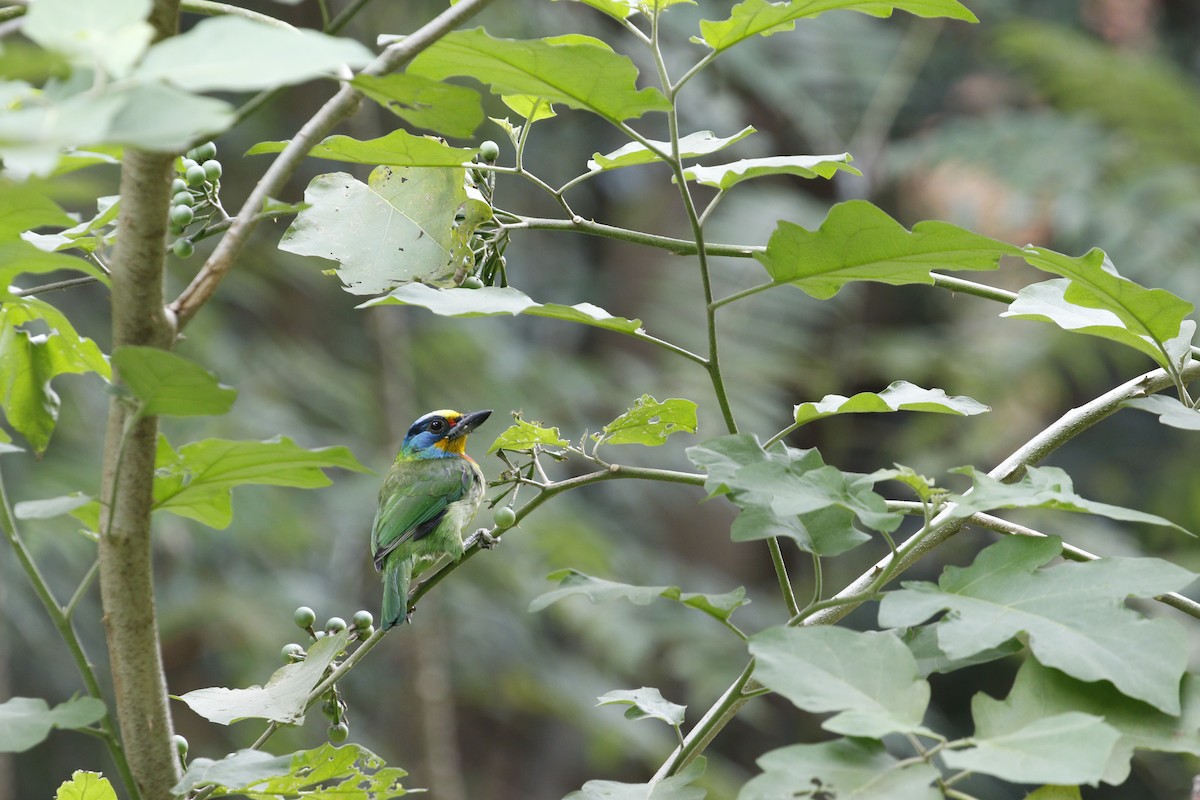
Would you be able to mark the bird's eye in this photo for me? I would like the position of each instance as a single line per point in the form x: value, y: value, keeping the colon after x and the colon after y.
x: 437, y: 426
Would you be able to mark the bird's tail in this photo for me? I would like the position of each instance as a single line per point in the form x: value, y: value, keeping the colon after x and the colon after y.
x: 397, y: 575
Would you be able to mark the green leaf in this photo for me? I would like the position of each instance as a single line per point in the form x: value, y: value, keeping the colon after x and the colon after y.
x: 925, y: 487
x: 675, y: 787
x: 859, y: 242
x: 169, y: 385
x: 650, y: 422
x: 79, y: 236
x: 350, y: 771
x: 922, y: 643
x: 1061, y: 748
x: 86, y: 786
x: 158, y: 117
x: 524, y: 436
x: 1169, y: 411
x: 1039, y: 487
x: 762, y: 18
x: 846, y: 769
x: 398, y: 148
x: 563, y: 72
x: 617, y: 9
x: 395, y: 229
x: 645, y: 703
x: 284, y: 697
x: 1099, y: 302
x: 870, y: 679
x: 22, y: 257
x: 25, y: 207
x: 111, y: 34
x: 52, y: 506
x: 898, y: 396
x: 27, y: 721
x: 693, y: 145
x: 196, y: 481
x: 1055, y: 793
x: 1039, y: 691
x: 440, y: 107
x: 572, y: 583
x: 726, y: 176
x: 30, y: 361
x: 1073, y: 615
x: 233, y: 53
x: 493, y: 301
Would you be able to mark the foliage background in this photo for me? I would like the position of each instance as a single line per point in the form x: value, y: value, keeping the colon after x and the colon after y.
x: 1030, y: 127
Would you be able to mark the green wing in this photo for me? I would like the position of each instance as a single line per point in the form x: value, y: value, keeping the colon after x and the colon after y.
x: 413, y: 500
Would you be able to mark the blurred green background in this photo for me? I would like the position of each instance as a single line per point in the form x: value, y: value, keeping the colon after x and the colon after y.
x: 1068, y: 124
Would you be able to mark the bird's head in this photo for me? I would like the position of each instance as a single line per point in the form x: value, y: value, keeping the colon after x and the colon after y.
x: 441, y: 433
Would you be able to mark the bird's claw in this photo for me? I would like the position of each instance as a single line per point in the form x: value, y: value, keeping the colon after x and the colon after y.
x: 484, y: 539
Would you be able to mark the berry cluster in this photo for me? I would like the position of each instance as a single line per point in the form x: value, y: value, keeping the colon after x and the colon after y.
x: 486, y: 264
x: 332, y: 706
x: 194, y: 196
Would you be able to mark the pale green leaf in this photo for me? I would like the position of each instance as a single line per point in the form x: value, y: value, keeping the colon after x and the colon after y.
x: 650, y: 422
x: 573, y: 583
x: 283, y: 699
x: 1073, y: 615
x: 676, y: 787
x: 350, y: 771
x: 532, y: 109
x: 693, y: 145
x: 396, y: 229
x: 166, y: 384
x: 86, y: 786
x: 25, y: 207
x: 726, y: 176
x: 243, y: 768
x: 645, y: 703
x: 868, y: 678
x: 434, y: 105
x: 524, y: 436
x: 232, y: 53
x: 898, y: 396
x: 158, y: 117
x: 564, y: 72
x: 112, y: 34
x: 492, y: 301
x: 51, y: 506
x: 845, y: 769
x: 922, y: 643
x: 1168, y: 410
x: 22, y: 257
x: 26, y: 721
x: 398, y: 148
x: 859, y: 242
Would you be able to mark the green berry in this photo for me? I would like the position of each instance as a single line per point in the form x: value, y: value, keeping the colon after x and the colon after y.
x: 335, y: 625
x: 472, y: 282
x: 366, y: 633
x: 292, y: 652
x: 363, y: 619
x: 187, y: 163
x: 505, y: 517
x: 212, y: 170
x: 195, y: 175
x: 183, y: 198
x: 178, y: 185
x: 339, y: 732
x: 489, y: 151
x: 203, y: 152
x: 304, y: 617
x: 331, y: 709
x: 181, y: 745
x: 182, y: 216
x: 183, y: 248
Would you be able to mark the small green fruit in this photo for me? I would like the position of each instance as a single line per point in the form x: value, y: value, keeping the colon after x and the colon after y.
x: 178, y: 185
x: 331, y: 709
x: 339, y: 732
x: 505, y: 517
x: 335, y: 625
x: 188, y: 163
x: 472, y: 282
x: 183, y: 198
x: 203, y: 152
x: 181, y: 745
x: 489, y: 151
x: 182, y: 216
x: 304, y: 617
x: 292, y: 652
x: 195, y: 175
x: 363, y: 619
x: 212, y: 170
x: 183, y: 248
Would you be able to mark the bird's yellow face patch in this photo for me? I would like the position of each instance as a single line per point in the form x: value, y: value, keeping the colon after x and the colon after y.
x: 457, y: 445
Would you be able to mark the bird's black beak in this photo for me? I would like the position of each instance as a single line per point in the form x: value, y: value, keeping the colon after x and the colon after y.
x: 468, y: 423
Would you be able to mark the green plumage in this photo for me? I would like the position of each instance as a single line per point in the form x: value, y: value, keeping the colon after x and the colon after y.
x: 425, y: 503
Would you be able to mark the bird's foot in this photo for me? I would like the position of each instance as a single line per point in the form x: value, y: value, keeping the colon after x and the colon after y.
x: 484, y: 539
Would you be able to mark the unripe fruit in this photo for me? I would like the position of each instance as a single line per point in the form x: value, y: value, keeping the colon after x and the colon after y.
x: 339, y: 732
x: 304, y: 617
x: 182, y: 216
x: 183, y: 198
x: 195, y: 175
x: 181, y: 745
x: 178, y: 185
x: 292, y: 652
x: 212, y: 170
x: 363, y: 619
x: 187, y: 163
x: 183, y: 248
x: 330, y: 709
x: 489, y: 151
x: 472, y: 282
x: 335, y: 625
x: 505, y: 517
x: 203, y: 152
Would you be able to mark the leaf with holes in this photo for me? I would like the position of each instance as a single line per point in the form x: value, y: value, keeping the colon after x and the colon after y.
x: 650, y: 422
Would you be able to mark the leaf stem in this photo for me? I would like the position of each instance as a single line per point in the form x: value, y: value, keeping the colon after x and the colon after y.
x: 679, y: 247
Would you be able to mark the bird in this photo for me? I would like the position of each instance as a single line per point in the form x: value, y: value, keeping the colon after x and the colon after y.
x: 428, y: 498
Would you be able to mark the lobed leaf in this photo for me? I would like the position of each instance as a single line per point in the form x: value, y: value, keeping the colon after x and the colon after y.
x: 572, y: 583
x: 898, y: 396
x: 693, y: 145
x: 398, y: 148
x: 650, y: 422
x: 726, y: 176
x: 523, y: 436
x: 27, y: 721
x: 848, y: 769
x: 283, y: 699
x: 350, y: 772
x: 166, y: 384
x: 492, y: 301
x: 676, y: 787
x: 562, y: 71
x: 645, y: 703
x: 1073, y: 615
x: 869, y: 678
x: 86, y: 786
x: 111, y: 34
x: 434, y: 105
x: 859, y: 242
x: 1169, y: 411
